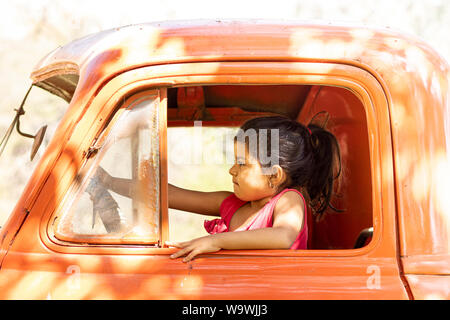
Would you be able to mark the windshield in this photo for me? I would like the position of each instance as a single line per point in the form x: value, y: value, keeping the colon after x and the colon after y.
x: 41, y: 108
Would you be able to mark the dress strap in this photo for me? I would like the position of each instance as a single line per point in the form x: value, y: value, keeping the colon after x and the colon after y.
x: 275, y: 199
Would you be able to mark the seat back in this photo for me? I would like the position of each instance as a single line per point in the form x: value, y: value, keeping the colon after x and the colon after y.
x: 353, y: 191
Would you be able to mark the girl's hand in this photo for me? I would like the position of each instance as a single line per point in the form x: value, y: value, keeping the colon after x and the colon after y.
x: 103, y: 177
x: 194, y: 247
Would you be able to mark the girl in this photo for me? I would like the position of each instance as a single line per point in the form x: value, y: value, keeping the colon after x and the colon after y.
x: 267, y: 209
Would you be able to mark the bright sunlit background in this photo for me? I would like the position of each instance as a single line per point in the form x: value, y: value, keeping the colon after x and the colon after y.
x: 31, y: 29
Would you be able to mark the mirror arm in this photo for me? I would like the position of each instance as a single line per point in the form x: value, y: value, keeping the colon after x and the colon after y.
x: 38, y: 137
x: 20, y: 132
x: 21, y: 112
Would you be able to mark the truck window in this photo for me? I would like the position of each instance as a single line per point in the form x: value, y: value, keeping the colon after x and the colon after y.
x: 195, y: 140
x: 129, y: 210
x: 197, y: 159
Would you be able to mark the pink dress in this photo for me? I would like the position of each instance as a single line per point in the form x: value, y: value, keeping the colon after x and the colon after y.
x: 262, y: 219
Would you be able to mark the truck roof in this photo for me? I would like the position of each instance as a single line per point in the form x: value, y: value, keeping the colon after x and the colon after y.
x: 117, y: 50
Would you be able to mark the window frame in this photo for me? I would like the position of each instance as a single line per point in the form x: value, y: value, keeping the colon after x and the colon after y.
x: 362, y: 82
x: 90, y: 161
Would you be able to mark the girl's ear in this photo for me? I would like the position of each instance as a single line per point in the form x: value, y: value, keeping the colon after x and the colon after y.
x: 278, y: 176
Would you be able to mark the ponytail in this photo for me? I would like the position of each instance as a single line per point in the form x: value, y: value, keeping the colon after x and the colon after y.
x: 327, y: 168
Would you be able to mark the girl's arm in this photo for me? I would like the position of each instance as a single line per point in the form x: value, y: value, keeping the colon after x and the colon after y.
x: 206, y: 203
x: 288, y: 221
x: 120, y: 186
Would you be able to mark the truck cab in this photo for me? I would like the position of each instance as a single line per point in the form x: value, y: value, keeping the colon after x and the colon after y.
x: 384, y: 95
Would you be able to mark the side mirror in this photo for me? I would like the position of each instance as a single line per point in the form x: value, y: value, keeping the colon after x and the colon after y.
x: 38, y: 138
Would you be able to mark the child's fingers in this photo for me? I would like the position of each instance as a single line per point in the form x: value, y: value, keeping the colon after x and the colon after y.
x: 180, y: 253
x: 191, y: 256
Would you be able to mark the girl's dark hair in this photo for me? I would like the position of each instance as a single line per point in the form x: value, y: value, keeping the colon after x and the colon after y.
x: 310, y: 156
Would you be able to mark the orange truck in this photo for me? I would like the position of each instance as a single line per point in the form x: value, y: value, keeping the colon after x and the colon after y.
x: 385, y: 96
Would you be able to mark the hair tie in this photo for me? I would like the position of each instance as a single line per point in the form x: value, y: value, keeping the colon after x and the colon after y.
x: 309, y: 130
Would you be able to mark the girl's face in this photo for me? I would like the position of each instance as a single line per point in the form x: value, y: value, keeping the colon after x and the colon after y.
x: 249, y: 181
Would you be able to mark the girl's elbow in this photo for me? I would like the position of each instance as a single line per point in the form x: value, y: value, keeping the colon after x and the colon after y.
x: 289, y: 243
x: 287, y: 239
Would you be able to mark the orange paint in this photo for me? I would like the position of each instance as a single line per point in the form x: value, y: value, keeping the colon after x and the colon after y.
x: 388, y: 98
